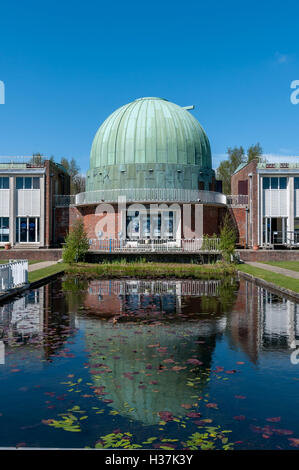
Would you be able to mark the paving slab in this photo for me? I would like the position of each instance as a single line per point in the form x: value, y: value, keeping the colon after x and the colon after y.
x: 274, y: 269
x: 41, y: 265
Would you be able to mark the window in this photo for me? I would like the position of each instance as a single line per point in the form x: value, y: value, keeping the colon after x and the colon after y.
x: 27, y: 182
x: 243, y: 187
x: 275, y: 182
x: 4, y: 229
x: 19, y: 183
x: 4, y: 182
x: 35, y: 183
x: 133, y: 224
x: 296, y: 183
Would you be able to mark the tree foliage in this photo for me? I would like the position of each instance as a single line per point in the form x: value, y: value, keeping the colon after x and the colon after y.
x: 255, y: 151
x: 77, y: 180
x: 37, y: 159
x: 236, y: 156
x: 76, y: 244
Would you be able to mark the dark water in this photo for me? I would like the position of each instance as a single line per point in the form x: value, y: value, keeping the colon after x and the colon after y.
x: 191, y: 364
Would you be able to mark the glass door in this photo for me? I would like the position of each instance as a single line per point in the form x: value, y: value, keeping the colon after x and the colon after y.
x: 31, y: 230
x: 27, y: 229
x: 23, y: 230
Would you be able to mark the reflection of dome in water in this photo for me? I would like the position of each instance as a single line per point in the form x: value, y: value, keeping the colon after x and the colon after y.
x: 133, y: 351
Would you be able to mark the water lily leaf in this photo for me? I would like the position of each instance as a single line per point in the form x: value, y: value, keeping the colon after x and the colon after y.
x: 294, y: 442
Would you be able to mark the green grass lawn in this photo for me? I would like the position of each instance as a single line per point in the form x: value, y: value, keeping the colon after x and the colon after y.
x: 4, y: 261
x: 282, y: 281
x: 42, y: 273
x: 292, y: 265
x: 150, y: 270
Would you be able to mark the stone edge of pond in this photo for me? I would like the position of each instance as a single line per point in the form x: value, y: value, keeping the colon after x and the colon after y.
x: 270, y: 285
x: 30, y: 285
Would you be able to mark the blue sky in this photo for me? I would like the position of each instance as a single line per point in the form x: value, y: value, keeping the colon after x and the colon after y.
x: 67, y: 65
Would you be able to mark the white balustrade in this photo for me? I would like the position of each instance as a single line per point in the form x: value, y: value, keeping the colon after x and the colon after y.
x: 113, y: 245
x: 13, y: 274
x: 143, y: 195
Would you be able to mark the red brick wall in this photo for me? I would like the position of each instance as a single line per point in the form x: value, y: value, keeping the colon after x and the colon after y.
x: 269, y: 255
x: 238, y: 215
x: 66, y: 216
x: 53, y: 185
x: 212, y: 219
x: 243, y: 175
x: 32, y: 254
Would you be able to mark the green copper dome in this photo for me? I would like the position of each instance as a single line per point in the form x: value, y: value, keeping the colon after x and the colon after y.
x: 145, y: 139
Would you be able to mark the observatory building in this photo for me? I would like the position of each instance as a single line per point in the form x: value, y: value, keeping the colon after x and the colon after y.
x: 150, y: 177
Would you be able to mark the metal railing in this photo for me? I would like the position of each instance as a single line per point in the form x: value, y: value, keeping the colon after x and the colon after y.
x: 237, y: 200
x: 61, y: 200
x: 287, y: 238
x: 143, y: 195
x: 114, y: 245
x: 13, y: 274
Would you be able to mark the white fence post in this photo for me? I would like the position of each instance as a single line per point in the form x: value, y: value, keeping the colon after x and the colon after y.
x: 13, y: 274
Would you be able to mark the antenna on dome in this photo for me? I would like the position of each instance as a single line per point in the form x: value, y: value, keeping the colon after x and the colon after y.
x: 188, y: 108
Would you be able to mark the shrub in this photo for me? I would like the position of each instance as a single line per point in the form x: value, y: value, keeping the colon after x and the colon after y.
x: 76, y: 244
x: 208, y: 243
x: 227, y: 239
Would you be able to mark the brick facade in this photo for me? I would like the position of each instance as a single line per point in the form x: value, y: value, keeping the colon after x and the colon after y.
x: 39, y: 254
x: 110, y: 223
x: 212, y: 219
x: 57, y: 182
x: 247, y: 173
x: 240, y: 220
x: 269, y: 255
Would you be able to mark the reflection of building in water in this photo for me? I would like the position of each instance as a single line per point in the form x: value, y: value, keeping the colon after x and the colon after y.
x: 24, y: 316
x: 133, y: 369
x: 279, y: 321
x: 261, y: 321
x: 116, y: 297
x: 35, y: 316
x: 2, y: 352
x: 133, y: 373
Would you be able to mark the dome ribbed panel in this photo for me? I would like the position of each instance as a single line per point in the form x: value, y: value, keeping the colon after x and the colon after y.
x: 150, y: 130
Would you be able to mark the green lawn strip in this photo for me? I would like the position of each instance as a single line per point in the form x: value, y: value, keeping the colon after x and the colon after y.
x: 42, y: 273
x: 5, y: 261
x: 282, y: 281
x: 150, y: 270
x: 292, y: 265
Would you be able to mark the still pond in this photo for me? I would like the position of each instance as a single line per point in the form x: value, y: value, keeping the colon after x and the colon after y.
x: 149, y: 364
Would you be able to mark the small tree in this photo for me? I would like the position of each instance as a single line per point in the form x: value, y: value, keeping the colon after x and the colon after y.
x: 76, y: 245
x: 227, y: 239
